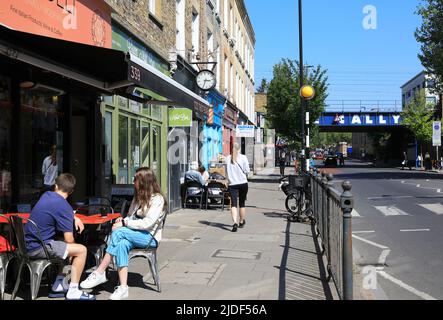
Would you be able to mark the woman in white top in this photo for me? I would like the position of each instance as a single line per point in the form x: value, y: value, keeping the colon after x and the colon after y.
x: 134, y: 231
x: 237, y: 169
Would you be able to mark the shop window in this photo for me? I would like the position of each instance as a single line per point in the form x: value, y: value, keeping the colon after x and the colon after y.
x: 156, y: 150
x: 41, y: 129
x: 5, y: 147
x: 145, y: 144
x: 135, y: 106
x: 134, y: 159
x: 109, y: 174
x: 123, y: 131
x: 156, y: 112
x: 121, y: 102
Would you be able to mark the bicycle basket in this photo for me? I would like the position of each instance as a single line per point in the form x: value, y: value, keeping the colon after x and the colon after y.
x: 288, y: 189
x: 299, y: 181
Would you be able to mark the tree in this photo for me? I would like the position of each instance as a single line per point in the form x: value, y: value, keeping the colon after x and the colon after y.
x: 417, y: 116
x: 430, y: 35
x: 284, y: 102
x: 264, y: 85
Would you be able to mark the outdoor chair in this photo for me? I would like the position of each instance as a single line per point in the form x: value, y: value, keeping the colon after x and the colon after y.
x: 216, y: 192
x: 36, y: 267
x: 150, y: 253
x: 6, y: 252
x: 194, y: 191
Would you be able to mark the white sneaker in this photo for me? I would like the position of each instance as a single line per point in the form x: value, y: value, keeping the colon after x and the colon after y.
x: 93, y: 280
x: 120, y: 293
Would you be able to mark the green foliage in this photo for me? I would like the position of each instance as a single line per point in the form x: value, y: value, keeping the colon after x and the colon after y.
x: 418, y: 117
x: 327, y: 139
x: 264, y: 85
x: 284, y: 102
x: 430, y: 35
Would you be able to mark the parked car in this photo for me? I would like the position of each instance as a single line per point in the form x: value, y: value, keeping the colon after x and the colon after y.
x: 319, y: 156
x: 330, y: 160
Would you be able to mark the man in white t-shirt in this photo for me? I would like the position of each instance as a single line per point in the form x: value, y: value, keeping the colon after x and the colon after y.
x: 50, y: 169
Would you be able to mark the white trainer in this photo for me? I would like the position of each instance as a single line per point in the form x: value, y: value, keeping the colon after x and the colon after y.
x: 93, y: 280
x: 120, y: 293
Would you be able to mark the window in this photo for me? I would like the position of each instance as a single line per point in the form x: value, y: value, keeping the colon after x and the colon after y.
x: 226, y: 14
x: 226, y: 66
x: 5, y: 145
x: 42, y: 127
x: 152, y: 6
x: 134, y: 156
x: 109, y: 175
x: 180, y: 26
x: 123, y: 131
x: 195, y: 31
x: 210, y: 40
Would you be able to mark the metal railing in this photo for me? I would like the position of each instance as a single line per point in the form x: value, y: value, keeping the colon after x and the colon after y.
x: 363, y: 106
x: 332, y: 213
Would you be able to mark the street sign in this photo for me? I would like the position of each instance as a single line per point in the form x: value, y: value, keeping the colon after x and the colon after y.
x: 436, y: 134
x: 244, y: 131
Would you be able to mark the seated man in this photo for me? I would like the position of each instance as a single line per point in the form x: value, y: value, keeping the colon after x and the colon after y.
x: 193, y: 175
x: 53, y: 214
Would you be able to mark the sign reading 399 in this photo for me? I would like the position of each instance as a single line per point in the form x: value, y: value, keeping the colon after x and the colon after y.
x: 135, y: 73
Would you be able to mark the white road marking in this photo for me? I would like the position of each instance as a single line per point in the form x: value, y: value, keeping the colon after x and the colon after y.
x: 383, y: 256
x: 436, y: 208
x: 362, y: 232
x: 355, y: 213
x: 414, y: 230
x: 390, y: 197
x: 370, y: 242
x: 405, y: 286
x: 391, y: 211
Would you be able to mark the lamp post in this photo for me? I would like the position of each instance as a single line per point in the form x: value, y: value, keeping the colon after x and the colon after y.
x: 302, y: 129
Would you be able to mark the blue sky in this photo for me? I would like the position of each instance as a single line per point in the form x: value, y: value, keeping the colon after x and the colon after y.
x: 362, y: 64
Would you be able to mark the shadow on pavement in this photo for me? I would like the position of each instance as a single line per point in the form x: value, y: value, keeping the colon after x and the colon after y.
x: 216, y: 225
x: 303, y: 274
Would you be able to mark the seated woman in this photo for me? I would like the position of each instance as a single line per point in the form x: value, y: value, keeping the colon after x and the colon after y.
x: 132, y: 232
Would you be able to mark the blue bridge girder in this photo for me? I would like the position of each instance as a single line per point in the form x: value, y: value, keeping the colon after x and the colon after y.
x: 333, y: 121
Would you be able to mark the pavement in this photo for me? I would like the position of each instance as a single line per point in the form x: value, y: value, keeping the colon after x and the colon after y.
x: 201, y: 259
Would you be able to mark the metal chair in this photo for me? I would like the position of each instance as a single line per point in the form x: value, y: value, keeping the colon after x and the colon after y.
x: 6, y: 253
x: 216, y: 191
x: 36, y: 266
x: 150, y: 253
x: 194, y: 190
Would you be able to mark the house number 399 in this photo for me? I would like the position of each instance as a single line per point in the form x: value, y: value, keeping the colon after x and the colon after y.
x: 135, y: 73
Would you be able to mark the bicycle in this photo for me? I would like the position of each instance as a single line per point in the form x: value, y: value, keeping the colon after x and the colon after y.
x: 299, y: 198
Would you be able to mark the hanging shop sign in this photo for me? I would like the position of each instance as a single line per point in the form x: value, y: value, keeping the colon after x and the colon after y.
x: 180, y: 117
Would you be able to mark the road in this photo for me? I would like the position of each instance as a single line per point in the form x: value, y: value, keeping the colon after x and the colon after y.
x: 397, y: 230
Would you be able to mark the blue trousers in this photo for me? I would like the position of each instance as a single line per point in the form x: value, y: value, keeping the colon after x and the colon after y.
x: 124, y: 239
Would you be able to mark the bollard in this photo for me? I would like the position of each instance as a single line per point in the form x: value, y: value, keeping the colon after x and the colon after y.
x: 347, y: 205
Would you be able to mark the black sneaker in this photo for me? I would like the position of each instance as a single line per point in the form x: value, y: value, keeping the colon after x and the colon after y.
x: 241, y: 224
x: 234, y: 227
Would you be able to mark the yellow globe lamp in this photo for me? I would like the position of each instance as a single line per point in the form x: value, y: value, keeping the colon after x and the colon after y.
x: 307, y: 92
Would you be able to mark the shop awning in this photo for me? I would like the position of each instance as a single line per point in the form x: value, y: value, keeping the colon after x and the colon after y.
x: 110, y: 71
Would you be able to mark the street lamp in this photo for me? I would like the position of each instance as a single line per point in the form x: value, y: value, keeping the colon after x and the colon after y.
x: 306, y: 92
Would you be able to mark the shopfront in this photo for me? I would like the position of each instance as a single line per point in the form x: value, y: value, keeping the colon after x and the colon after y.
x: 51, y: 93
x: 229, y: 125
x: 212, y: 130
x: 135, y: 131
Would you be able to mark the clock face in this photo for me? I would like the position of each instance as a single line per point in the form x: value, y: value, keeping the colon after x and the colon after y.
x: 206, y: 80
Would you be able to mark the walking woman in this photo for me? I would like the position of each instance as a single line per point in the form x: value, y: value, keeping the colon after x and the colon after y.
x: 131, y: 232
x: 237, y: 168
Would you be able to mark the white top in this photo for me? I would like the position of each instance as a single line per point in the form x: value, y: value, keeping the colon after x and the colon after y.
x: 147, y: 218
x: 237, y: 172
x: 49, y: 171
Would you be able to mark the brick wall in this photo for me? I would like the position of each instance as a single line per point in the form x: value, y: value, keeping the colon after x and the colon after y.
x: 156, y: 31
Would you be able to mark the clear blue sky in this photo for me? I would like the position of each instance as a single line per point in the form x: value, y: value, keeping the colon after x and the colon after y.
x: 362, y: 64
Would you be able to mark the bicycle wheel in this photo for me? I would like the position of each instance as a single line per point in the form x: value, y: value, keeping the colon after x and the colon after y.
x: 292, y: 203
